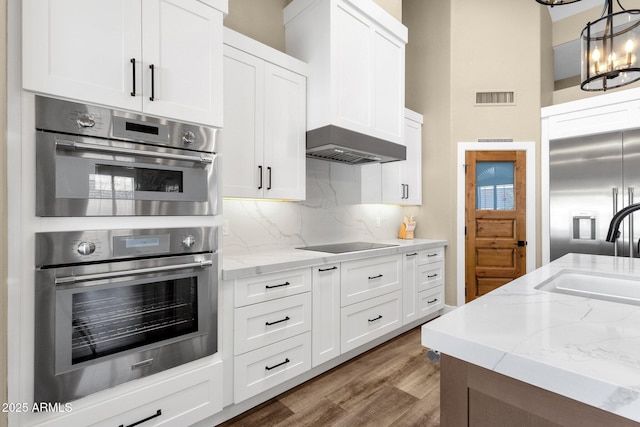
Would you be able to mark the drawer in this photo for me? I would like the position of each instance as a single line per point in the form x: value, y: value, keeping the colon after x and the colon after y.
x: 368, y: 278
x: 367, y: 320
x: 184, y: 400
x: 268, y: 287
x: 431, y: 255
x: 266, y: 367
x: 430, y: 301
x: 430, y: 276
x: 269, y: 322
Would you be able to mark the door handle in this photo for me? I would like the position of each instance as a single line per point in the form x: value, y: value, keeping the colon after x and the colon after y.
x: 153, y: 86
x: 630, y: 191
x: 260, y: 173
x: 269, y: 176
x: 521, y: 243
x: 133, y: 66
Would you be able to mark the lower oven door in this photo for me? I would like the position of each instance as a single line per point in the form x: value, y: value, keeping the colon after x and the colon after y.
x: 80, y: 176
x: 96, y: 330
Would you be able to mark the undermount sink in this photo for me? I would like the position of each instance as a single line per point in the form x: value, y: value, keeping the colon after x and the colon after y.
x: 608, y: 287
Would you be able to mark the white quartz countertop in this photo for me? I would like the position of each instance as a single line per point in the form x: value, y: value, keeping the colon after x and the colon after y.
x: 237, y: 266
x: 585, y: 349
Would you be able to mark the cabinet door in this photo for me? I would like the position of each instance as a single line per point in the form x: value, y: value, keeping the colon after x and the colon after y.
x: 182, y: 39
x: 409, y: 287
x: 82, y: 49
x: 393, y: 183
x: 242, y: 143
x: 413, y: 164
x: 326, y: 314
x: 284, y: 133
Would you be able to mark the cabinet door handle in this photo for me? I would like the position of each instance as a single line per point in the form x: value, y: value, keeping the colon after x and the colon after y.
x: 157, y: 414
x: 407, y: 191
x: 335, y: 268
x: 269, y: 175
x: 432, y: 301
x: 431, y: 255
x: 153, y: 82
x: 432, y: 276
x: 277, y: 286
x: 375, y: 318
x: 375, y: 277
x: 268, y: 368
x: 413, y: 254
x: 133, y: 66
x: 277, y: 321
x: 260, y: 173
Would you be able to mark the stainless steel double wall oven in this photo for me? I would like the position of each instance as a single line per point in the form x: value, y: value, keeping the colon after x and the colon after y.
x: 116, y: 305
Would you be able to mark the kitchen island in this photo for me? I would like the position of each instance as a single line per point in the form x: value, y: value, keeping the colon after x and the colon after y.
x: 535, y: 357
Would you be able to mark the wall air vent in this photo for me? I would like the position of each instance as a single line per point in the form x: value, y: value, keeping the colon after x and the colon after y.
x: 496, y: 98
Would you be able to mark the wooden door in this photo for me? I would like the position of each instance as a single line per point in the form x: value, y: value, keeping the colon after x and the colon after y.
x: 495, y: 220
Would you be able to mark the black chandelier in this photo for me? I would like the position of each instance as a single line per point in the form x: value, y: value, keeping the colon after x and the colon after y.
x: 610, y: 47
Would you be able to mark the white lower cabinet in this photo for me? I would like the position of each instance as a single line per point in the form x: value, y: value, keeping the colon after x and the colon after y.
x: 326, y: 313
x: 286, y: 323
x: 269, y: 322
x: 178, y: 400
x: 266, y: 367
x: 370, y: 319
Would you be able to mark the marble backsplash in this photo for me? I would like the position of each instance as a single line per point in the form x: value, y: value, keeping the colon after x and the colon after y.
x: 333, y: 212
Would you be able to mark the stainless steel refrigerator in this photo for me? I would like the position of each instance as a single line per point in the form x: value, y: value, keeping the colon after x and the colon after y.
x: 591, y: 178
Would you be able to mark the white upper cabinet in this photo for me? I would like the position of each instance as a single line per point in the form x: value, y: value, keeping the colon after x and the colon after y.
x: 356, y: 56
x: 265, y: 114
x: 161, y: 57
x: 402, y: 180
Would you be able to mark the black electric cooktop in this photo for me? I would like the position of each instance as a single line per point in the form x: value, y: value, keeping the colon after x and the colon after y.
x: 339, y: 248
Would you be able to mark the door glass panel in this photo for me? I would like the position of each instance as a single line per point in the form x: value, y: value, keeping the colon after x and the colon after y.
x: 494, y: 186
x: 108, y: 321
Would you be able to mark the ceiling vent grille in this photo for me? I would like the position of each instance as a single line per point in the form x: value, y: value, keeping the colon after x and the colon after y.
x: 496, y: 98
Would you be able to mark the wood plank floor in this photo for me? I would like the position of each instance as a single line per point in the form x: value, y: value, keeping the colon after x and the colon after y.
x: 393, y: 384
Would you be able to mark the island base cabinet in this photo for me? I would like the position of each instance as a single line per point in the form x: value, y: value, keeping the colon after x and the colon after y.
x: 266, y: 367
x: 474, y: 396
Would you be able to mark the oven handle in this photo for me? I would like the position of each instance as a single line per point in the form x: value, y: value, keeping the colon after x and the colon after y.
x: 72, y: 145
x: 65, y: 280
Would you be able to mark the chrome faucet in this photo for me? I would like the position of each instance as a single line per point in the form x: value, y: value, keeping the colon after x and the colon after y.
x: 614, y: 226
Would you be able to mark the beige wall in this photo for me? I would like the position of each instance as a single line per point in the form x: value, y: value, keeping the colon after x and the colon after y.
x: 262, y: 19
x: 452, y: 54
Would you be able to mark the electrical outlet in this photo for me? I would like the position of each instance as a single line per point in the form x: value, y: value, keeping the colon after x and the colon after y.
x: 225, y: 227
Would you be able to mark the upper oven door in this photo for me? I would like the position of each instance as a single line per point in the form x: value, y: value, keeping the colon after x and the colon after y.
x: 79, y: 176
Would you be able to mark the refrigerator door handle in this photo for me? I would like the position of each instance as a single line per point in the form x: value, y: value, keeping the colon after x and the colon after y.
x: 631, y: 239
x: 614, y: 193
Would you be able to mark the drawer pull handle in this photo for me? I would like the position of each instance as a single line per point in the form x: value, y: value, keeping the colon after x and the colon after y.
x: 413, y: 254
x: 375, y: 277
x: 277, y: 286
x: 431, y: 255
x: 432, y: 301
x: 268, y: 368
x: 375, y: 318
x: 277, y: 321
x: 328, y: 269
x: 432, y: 276
x: 157, y: 414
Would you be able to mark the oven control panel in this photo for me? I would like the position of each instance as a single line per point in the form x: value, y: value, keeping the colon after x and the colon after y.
x: 104, y: 245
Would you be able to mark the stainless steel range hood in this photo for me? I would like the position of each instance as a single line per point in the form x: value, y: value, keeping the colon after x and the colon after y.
x: 341, y: 145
